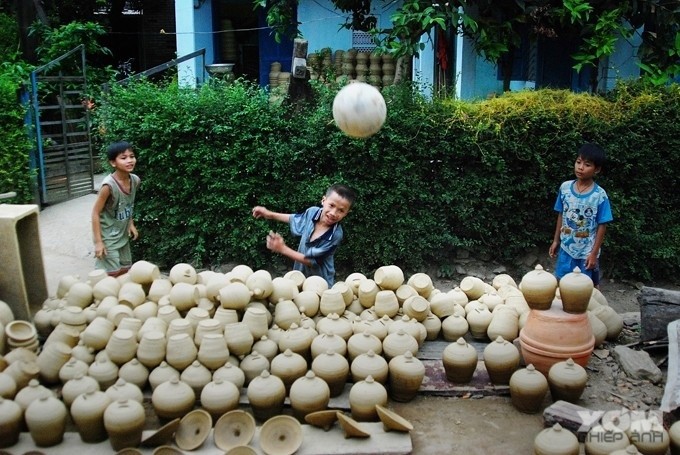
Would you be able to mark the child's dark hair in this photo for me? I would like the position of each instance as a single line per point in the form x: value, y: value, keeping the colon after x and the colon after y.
x: 592, y: 152
x: 343, y: 191
x: 115, y: 149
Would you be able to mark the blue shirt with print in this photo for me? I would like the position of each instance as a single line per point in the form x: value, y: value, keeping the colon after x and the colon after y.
x: 320, y: 250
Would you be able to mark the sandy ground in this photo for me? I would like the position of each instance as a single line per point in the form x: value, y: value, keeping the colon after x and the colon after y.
x: 443, y: 425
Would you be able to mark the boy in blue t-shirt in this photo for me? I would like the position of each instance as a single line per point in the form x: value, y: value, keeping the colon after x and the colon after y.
x: 319, y: 231
x: 583, y: 213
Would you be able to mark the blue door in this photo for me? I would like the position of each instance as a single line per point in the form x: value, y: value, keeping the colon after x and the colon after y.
x: 270, y: 50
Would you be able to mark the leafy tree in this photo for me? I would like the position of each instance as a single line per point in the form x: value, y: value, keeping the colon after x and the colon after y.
x: 496, y: 28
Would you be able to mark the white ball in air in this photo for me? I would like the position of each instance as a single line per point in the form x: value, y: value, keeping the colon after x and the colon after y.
x: 359, y: 110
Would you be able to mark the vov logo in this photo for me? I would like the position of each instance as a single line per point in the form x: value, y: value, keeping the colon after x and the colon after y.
x: 617, y: 422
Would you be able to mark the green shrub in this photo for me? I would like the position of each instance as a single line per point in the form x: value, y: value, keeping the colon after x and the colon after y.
x: 441, y: 175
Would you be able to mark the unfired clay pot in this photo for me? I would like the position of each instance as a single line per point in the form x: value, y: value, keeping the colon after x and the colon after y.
x: 556, y: 441
x: 406, y: 374
x: 460, y: 361
x: 576, y: 288
x: 567, y: 380
x: 364, y: 396
x: 266, y: 394
x: 538, y: 287
x: 501, y: 359
x: 308, y: 394
x: 528, y: 388
x: 124, y: 423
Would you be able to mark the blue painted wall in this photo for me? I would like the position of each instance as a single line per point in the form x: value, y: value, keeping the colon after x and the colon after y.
x: 194, y: 31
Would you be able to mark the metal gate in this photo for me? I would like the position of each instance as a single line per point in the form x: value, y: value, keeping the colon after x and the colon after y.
x: 61, y: 121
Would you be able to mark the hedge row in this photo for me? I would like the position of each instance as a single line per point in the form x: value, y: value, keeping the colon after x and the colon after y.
x: 441, y: 175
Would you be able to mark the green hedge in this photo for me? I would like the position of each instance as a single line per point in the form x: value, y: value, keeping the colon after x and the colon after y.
x: 441, y: 175
x: 15, y: 174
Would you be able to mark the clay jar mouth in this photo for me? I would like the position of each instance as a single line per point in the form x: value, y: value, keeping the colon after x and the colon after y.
x: 20, y: 330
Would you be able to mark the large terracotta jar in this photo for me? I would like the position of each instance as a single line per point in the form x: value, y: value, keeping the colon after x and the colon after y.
x: 460, y: 361
x: 552, y: 336
x: 576, y: 288
x: 538, y: 287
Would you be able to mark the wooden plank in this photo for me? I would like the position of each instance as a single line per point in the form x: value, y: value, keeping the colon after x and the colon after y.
x: 436, y: 382
x: 571, y: 417
x: 658, y: 307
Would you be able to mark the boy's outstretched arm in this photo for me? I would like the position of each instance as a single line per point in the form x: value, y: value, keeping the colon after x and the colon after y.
x: 276, y: 244
x: 263, y: 212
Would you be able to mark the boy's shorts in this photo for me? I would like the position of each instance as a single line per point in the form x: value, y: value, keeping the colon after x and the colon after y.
x: 566, y: 264
x: 115, y: 260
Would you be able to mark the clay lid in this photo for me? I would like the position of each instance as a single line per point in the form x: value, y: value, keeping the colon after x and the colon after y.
x: 193, y: 429
x: 163, y: 435
x: 233, y: 429
x: 281, y: 435
x: 392, y: 421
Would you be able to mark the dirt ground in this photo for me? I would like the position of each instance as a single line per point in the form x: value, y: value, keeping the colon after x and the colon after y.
x: 443, y: 425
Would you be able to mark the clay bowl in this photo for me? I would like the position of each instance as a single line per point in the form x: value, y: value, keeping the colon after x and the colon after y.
x: 351, y: 427
x: 281, y: 435
x: 322, y: 419
x: 235, y: 428
x: 392, y: 421
x: 193, y: 429
x: 163, y: 435
x: 241, y: 450
x: 20, y: 331
x: 129, y: 451
x: 167, y: 450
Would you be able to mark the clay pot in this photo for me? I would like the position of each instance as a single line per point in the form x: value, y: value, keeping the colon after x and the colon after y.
x: 473, y: 287
x: 53, y: 356
x: 80, y: 295
x: 335, y: 324
x: 11, y: 420
x: 180, y: 351
x: 173, y: 399
x: 504, y: 323
x: 286, y: 313
x: 360, y: 343
x: 266, y: 394
x: 213, y: 352
x: 528, y: 388
x: 433, y: 327
x: 604, y: 440
x: 331, y: 301
x: 266, y: 347
x: 398, y: 343
x: 46, y: 420
x: 123, y: 390
x: 124, y: 423
x: 363, y: 398
x: 180, y: 326
x: 234, y: 296
x: 122, y: 346
x: 552, y: 336
x: 333, y: 368
x: 368, y: 289
x: 283, y: 289
x: 256, y: 320
x: 196, y: 376
x: 162, y: 373
x: 611, y: 319
x: 674, y: 434
x: 135, y: 373
x: 159, y: 287
x: 239, y: 338
x: 417, y: 308
x: 576, y: 288
x: 325, y: 342
x: 77, y: 386
x: 253, y: 364
x: 501, y: 359
x: 538, y: 287
x: 151, y: 349
x: 567, y: 381
x: 598, y: 328
x: 87, y: 412
x: 230, y: 373
x: 308, y: 302
x: 289, y: 366
x: 308, y: 394
x: 131, y: 294
x: 183, y: 273
x: 184, y: 296
x: 205, y: 327
x: 406, y: 374
x: 556, y: 441
x: 296, y: 277
x: 389, y: 277
x: 260, y: 284
x: 219, y: 397
x: 71, y: 369
x: 33, y: 391
x: 104, y: 371
x: 460, y: 361
x: 297, y: 340
x: 649, y: 436
x: 369, y: 364
x: 65, y: 283
x: 479, y: 320
x: 168, y: 313
x: 454, y: 327
x: 422, y: 283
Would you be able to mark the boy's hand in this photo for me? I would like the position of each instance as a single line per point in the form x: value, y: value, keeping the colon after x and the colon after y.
x: 554, y: 248
x: 132, y: 232
x: 99, y: 250
x: 591, y: 261
x: 260, y: 212
x: 275, y: 242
